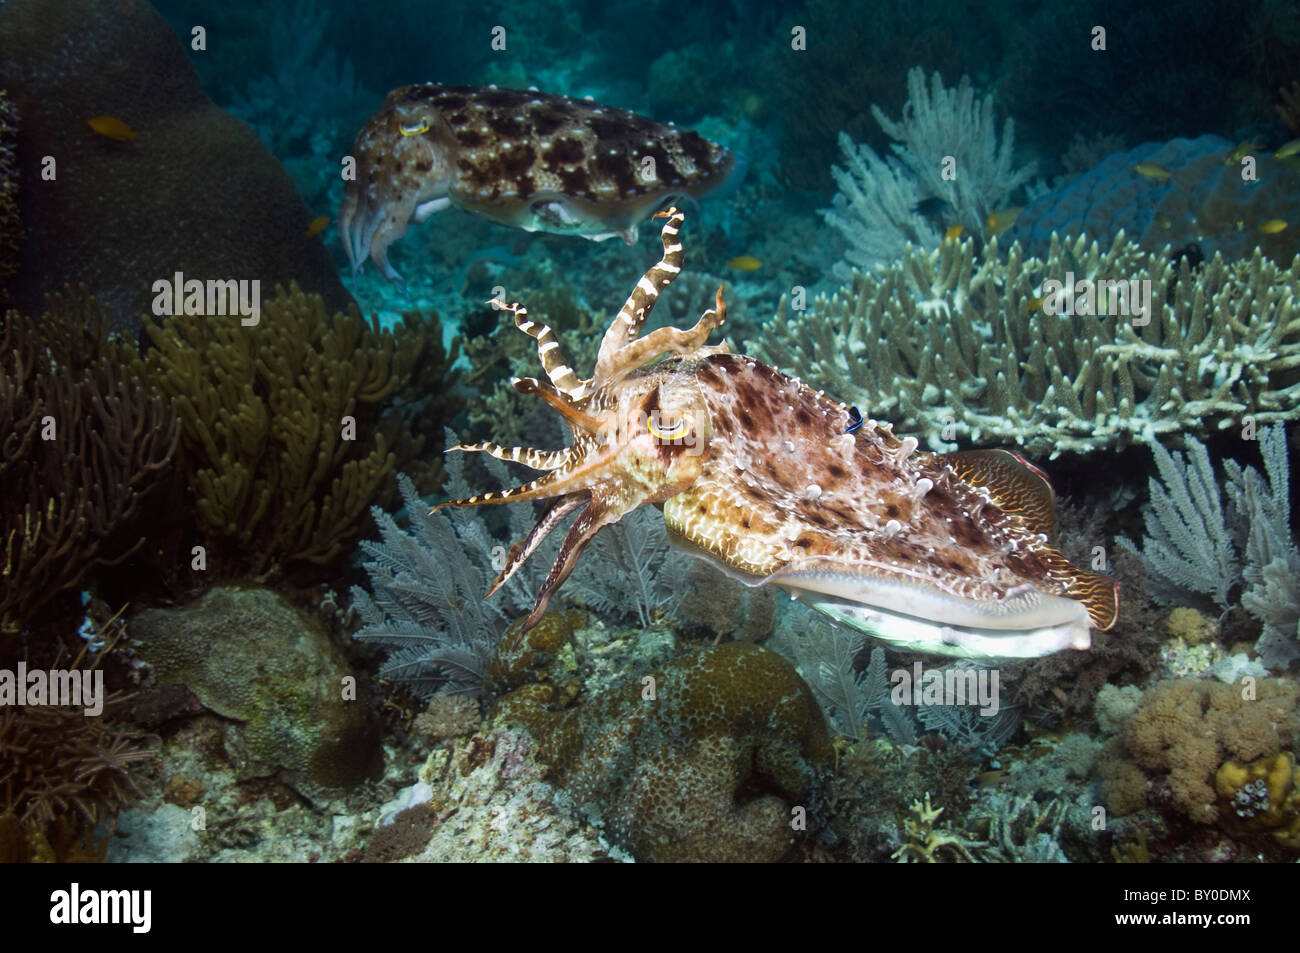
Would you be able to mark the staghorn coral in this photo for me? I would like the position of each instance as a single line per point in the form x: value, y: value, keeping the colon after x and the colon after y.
x: 1184, y: 730
x: 84, y: 445
x: 953, y: 345
x: 282, y: 449
x: 702, y: 761
x: 196, y: 192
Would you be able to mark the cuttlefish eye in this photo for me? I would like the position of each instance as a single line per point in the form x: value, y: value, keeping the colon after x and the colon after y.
x: 675, y: 432
x: 414, y: 129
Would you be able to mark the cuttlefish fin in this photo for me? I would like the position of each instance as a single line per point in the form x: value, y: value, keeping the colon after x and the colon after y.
x: 1099, y: 595
x: 1014, y: 484
x: 1018, y: 487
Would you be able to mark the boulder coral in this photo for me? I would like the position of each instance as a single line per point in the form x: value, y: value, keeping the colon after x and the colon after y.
x: 708, y: 759
x: 194, y: 192
x: 269, y: 669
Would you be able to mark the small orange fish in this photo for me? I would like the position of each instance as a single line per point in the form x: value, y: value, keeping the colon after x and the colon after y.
x: 953, y: 233
x: 1154, y: 170
x: 999, y: 222
x: 1272, y: 226
x: 745, y: 263
x: 110, y: 127
x: 317, y: 225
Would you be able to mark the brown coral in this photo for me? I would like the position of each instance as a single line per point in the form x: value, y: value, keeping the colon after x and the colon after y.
x: 84, y: 446
x: 1184, y: 730
x: 283, y: 451
x: 705, y: 760
x: 194, y: 192
x: 61, y: 773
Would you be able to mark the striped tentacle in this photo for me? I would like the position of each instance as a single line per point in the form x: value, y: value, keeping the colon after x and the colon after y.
x: 548, y: 351
x: 537, y: 459
x: 632, y: 316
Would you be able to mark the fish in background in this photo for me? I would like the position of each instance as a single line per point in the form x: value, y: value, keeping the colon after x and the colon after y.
x: 520, y: 158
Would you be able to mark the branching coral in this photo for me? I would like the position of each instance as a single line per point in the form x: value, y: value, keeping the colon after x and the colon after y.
x: 956, y: 346
x: 83, y: 445
x: 280, y: 424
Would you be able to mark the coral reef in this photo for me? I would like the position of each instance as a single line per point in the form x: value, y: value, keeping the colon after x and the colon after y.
x: 283, y: 448
x: 195, y: 192
x: 1191, y: 545
x: 85, y: 448
x: 484, y: 798
x: 951, y: 345
x: 704, y: 760
x: 1182, y: 732
x: 927, y: 842
x: 1261, y: 796
x: 293, y: 705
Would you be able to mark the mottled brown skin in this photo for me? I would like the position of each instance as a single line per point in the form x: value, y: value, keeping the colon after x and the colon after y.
x: 774, y: 483
x: 521, y: 158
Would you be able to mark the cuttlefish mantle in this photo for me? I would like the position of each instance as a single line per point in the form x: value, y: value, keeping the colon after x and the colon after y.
x: 520, y: 158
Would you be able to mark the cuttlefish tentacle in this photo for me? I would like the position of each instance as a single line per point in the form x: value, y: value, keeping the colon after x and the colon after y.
x: 571, y: 414
x: 520, y: 551
x: 613, y: 359
x: 548, y: 350
x: 589, y: 522
x: 537, y: 459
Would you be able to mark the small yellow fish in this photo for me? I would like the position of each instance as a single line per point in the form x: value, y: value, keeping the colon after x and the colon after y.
x: 1272, y: 226
x: 745, y: 263
x: 1154, y: 170
x: 953, y: 233
x: 1243, y: 149
x: 1034, y: 304
x: 111, y: 128
x: 317, y: 225
x: 999, y: 222
x: 1288, y: 150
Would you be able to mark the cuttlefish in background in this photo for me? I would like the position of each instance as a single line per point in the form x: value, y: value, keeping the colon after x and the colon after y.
x: 778, y: 485
x: 520, y: 158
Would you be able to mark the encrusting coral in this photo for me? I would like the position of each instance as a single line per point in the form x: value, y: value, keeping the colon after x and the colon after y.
x: 283, y: 445
x: 954, y: 345
x: 707, y: 759
x: 84, y: 445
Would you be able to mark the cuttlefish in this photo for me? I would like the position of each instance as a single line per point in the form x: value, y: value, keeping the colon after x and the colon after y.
x: 777, y: 484
x: 521, y: 158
